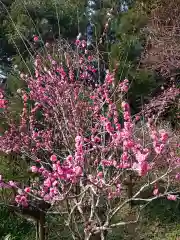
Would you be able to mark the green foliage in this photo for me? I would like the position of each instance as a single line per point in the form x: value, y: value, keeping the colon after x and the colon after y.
x: 16, y: 227
x: 143, y: 82
x: 4, y: 46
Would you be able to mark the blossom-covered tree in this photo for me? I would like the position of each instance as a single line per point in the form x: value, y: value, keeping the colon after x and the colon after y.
x: 88, y: 154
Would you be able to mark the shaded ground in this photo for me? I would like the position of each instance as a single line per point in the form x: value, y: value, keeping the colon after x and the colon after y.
x: 160, y: 221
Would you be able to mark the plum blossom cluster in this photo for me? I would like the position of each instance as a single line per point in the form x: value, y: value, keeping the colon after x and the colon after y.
x: 3, y: 101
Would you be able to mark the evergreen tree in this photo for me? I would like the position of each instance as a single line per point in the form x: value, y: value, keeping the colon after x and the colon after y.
x: 46, y: 18
x: 126, y: 51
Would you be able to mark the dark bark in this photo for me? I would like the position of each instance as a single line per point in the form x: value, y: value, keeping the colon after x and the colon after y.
x: 98, y: 236
x: 42, y: 231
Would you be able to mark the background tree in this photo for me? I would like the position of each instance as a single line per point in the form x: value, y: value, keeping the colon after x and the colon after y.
x: 161, y: 55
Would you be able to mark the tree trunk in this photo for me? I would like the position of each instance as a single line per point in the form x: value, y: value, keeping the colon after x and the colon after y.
x: 96, y: 236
